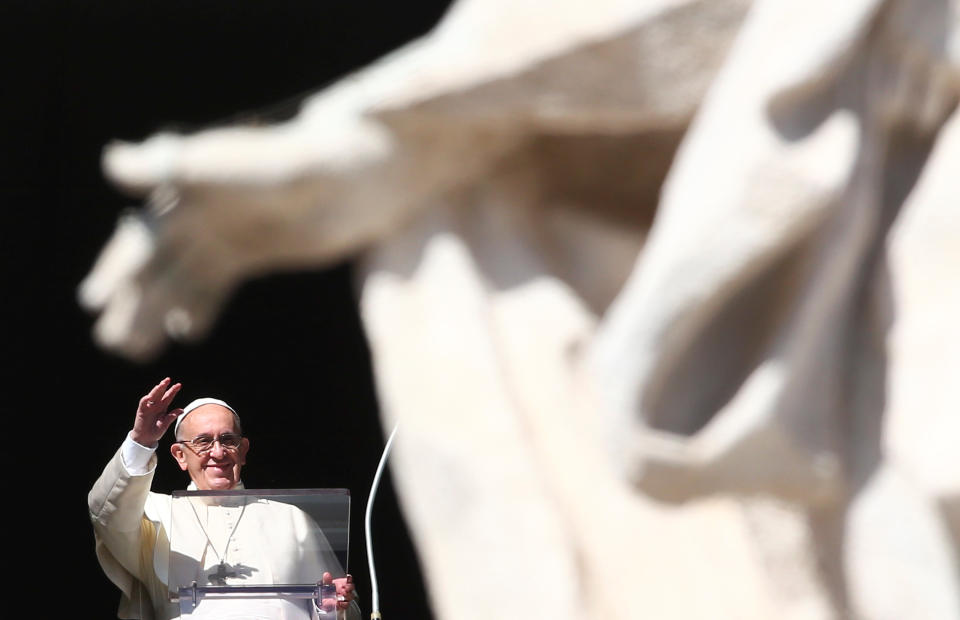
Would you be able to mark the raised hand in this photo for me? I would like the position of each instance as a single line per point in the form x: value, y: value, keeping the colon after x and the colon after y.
x: 153, y: 418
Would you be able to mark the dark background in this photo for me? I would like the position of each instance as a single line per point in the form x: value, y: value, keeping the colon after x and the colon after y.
x: 288, y: 351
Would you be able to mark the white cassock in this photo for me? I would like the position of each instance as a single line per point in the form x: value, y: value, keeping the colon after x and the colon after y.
x: 246, y: 541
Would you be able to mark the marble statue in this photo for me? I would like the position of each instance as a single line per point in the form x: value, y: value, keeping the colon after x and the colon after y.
x: 659, y: 292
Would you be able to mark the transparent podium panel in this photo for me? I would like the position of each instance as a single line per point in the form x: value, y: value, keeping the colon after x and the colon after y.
x: 257, y: 553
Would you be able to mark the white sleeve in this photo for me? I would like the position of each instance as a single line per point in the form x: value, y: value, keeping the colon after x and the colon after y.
x: 136, y: 457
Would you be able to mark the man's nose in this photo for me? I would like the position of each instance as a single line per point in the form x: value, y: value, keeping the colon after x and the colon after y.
x: 216, y: 450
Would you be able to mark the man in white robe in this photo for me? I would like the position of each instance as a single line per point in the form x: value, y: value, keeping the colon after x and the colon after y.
x: 214, y: 542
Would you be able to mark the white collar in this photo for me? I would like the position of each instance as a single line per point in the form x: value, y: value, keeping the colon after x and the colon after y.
x: 193, y: 486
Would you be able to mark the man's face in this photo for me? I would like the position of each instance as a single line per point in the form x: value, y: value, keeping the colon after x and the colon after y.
x: 218, y: 469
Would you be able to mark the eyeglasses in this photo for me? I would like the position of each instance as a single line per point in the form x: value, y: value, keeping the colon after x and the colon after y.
x: 201, y: 444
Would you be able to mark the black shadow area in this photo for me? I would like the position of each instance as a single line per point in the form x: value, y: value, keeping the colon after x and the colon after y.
x: 288, y: 351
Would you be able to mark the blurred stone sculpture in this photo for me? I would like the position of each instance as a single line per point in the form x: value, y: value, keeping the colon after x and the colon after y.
x: 741, y: 411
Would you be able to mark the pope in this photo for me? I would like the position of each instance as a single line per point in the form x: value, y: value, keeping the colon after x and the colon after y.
x: 131, y: 523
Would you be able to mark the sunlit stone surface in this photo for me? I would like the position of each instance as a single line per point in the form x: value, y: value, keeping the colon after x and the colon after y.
x: 745, y: 410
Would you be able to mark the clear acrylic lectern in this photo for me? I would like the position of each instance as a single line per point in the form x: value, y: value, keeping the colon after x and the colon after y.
x: 257, y: 553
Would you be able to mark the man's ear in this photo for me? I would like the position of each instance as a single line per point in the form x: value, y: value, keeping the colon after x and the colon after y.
x: 242, y: 451
x: 179, y: 455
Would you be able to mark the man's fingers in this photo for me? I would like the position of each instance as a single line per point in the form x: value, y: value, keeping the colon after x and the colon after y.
x: 169, y: 394
x: 171, y: 418
x: 345, y: 588
x: 156, y: 402
x: 156, y: 393
x: 328, y: 604
x: 345, y: 594
x: 147, y: 403
x: 340, y: 602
